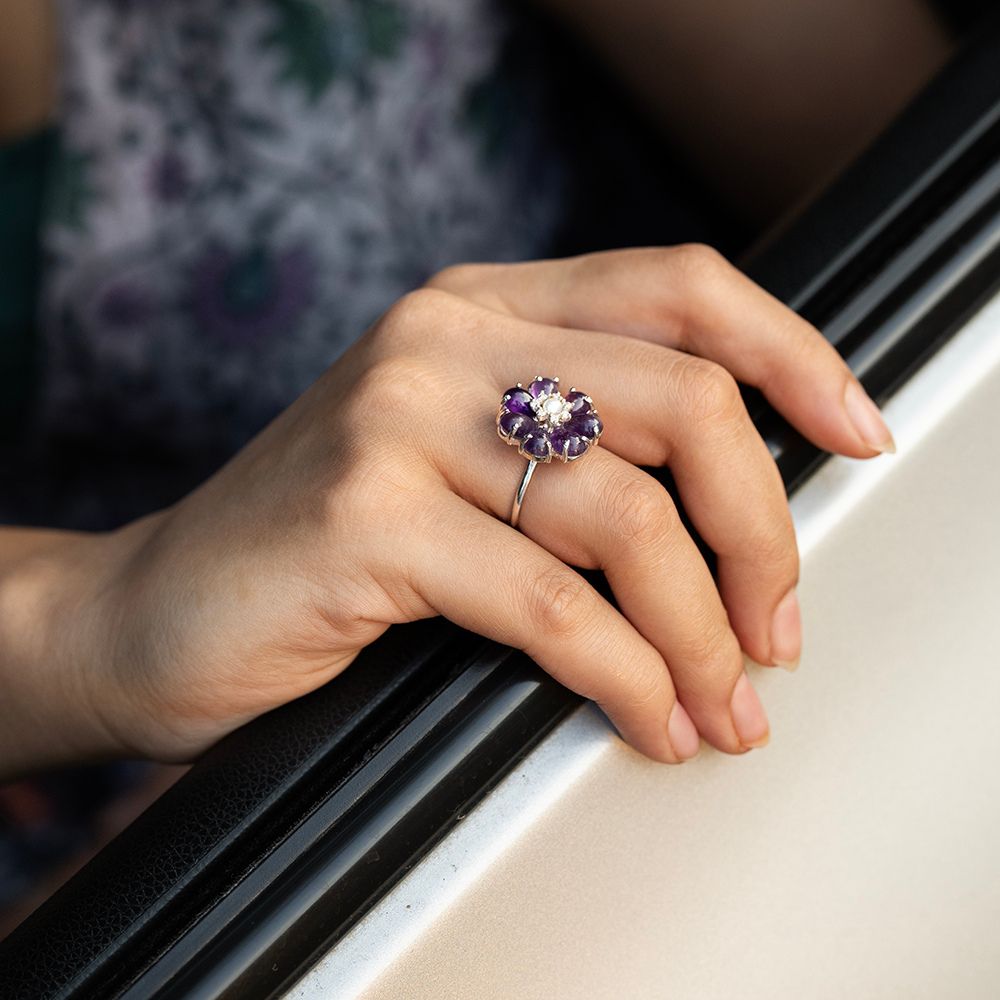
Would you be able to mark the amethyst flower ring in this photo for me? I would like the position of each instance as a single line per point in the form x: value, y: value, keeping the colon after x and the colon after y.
x: 543, y: 424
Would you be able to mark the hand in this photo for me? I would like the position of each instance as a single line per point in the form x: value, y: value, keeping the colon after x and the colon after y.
x: 381, y: 496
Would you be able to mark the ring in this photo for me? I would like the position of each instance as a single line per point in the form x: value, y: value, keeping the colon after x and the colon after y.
x: 543, y: 424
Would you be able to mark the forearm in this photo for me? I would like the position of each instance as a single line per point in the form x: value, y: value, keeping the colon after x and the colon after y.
x: 50, y: 707
x: 767, y: 97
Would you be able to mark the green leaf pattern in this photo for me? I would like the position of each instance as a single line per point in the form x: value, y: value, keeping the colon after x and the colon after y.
x: 71, y: 190
x: 319, y: 47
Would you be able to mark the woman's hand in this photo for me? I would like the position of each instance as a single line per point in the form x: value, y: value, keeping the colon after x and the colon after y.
x: 382, y: 494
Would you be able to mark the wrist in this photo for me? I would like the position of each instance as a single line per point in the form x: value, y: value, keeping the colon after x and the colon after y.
x: 60, y: 702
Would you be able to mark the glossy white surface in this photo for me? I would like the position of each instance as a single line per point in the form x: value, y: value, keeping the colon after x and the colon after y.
x: 857, y: 856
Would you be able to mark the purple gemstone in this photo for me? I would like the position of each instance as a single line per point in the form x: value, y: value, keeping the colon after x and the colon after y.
x: 536, y: 446
x: 588, y: 425
x: 578, y: 402
x: 516, y: 425
x: 517, y: 400
x: 567, y: 444
x: 541, y: 386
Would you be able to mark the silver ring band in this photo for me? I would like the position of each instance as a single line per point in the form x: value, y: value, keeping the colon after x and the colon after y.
x: 515, y: 509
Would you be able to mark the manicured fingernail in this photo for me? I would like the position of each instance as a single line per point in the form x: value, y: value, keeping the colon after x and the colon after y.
x: 749, y: 717
x: 786, y: 633
x: 683, y: 736
x: 867, y: 419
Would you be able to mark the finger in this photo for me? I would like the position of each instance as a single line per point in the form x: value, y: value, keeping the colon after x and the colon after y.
x: 664, y: 407
x: 690, y: 298
x: 603, y: 512
x: 491, y: 579
x: 733, y: 493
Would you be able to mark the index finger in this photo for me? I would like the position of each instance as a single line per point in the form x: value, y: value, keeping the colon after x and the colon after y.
x: 690, y: 298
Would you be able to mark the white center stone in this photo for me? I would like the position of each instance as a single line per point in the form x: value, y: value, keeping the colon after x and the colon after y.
x: 551, y: 409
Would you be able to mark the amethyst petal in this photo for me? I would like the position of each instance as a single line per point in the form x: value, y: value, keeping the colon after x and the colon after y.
x: 578, y: 402
x: 587, y: 425
x: 516, y: 425
x: 568, y: 445
x: 517, y: 400
x: 536, y: 447
x: 542, y: 387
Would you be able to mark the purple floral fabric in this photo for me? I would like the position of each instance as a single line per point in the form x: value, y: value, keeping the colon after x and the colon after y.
x: 243, y: 186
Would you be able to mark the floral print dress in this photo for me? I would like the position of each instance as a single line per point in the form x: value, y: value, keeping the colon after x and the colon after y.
x: 240, y: 188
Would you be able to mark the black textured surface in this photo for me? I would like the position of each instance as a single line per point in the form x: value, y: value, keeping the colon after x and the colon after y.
x: 222, y: 823
x: 317, y: 884
x: 247, y: 792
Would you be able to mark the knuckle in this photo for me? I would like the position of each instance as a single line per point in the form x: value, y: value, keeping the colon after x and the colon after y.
x: 774, y: 549
x: 459, y: 278
x: 775, y: 541
x: 699, y: 261
x: 640, y: 511
x: 641, y: 689
x: 710, y: 393
x: 801, y: 344
x: 587, y: 267
x: 716, y: 652
x: 768, y: 534
x: 556, y: 600
x: 409, y: 318
x: 391, y: 384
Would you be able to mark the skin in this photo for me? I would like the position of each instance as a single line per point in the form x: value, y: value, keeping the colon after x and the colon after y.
x: 347, y: 515
x: 379, y: 497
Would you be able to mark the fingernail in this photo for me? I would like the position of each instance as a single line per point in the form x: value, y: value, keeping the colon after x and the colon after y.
x: 867, y: 419
x: 684, y: 737
x: 749, y: 717
x: 786, y: 632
